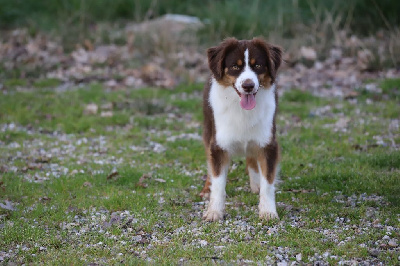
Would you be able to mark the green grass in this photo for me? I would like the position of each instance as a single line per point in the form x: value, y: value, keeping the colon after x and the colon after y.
x: 327, y: 173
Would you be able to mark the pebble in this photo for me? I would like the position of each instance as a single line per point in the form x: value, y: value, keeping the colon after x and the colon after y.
x: 203, y: 243
x: 392, y: 243
x: 374, y: 252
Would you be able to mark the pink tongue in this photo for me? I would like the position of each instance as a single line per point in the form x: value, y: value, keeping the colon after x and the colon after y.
x: 247, y: 101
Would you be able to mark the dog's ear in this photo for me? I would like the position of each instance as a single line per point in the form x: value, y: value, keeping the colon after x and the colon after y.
x: 274, y: 55
x: 216, y: 56
x: 215, y: 61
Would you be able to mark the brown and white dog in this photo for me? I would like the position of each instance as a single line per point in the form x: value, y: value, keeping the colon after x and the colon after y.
x: 239, y: 108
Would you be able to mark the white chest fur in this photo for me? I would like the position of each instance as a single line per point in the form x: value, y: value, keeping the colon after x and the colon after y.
x: 235, y: 127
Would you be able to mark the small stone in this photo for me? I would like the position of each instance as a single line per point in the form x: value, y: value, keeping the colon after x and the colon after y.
x: 374, y: 252
x: 299, y: 257
x: 137, y: 238
x: 106, y: 114
x: 91, y: 109
x: 308, y: 53
x: 107, y: 106
x: 392, y: 243
x: 111, y: 83
x: 203, y: 243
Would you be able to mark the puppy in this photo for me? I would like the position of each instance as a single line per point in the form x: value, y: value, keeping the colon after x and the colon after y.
x: 239, y: 106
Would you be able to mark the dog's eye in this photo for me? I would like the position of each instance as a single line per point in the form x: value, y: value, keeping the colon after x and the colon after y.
x: 234, y: 67
x: 258, y: 66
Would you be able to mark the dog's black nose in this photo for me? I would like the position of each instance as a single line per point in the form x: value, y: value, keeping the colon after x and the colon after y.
x: 248, y: 85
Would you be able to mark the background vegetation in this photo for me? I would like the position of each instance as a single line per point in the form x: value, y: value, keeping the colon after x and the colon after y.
x: 250, y: 18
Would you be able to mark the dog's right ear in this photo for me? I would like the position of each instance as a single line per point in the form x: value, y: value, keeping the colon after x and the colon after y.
x: 216, y: 57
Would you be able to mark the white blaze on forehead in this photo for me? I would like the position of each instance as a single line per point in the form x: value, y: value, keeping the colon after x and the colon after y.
x: 247, y: 73
x: 246, y: 58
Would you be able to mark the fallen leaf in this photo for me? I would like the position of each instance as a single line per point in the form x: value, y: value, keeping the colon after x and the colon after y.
x: 351, y: 95
x: 87, y: 184
x: 88, y: 45
x: 3, y: 169
x: 359, y: 147
x: 44, y: 199
x: 42, y: 159
x: 112, y: 174
x: 142, y: 179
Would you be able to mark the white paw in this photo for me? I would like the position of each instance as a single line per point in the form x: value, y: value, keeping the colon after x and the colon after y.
x: 213, y: 215
x: 266, y: 215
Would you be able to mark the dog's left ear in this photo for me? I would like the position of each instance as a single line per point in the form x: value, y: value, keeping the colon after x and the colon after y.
x: 274, y: 54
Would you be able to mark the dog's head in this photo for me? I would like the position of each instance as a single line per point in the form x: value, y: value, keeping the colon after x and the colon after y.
x: 246, y: 65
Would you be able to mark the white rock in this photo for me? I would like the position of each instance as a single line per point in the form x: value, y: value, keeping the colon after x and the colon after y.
x: 308, y: 53
x: 203, y: 243
x: 91, y: 109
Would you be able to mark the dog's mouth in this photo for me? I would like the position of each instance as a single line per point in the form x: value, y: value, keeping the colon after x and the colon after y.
x: 247, y: 100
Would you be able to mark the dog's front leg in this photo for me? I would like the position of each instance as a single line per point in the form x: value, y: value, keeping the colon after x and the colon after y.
x: 268, y: 164
x: 218, y: 162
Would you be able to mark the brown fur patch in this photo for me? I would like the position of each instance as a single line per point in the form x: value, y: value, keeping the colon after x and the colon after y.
x: 205, y: 192
x: 269, y: 159
x: 217, y: 158
x: 251, y: 163
x: 227, y: 80
x: 240, y: 62
x: 252, y: 61
x: 265, y: 81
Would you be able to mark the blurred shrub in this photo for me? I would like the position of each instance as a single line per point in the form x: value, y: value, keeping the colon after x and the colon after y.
x: 224, y: 17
